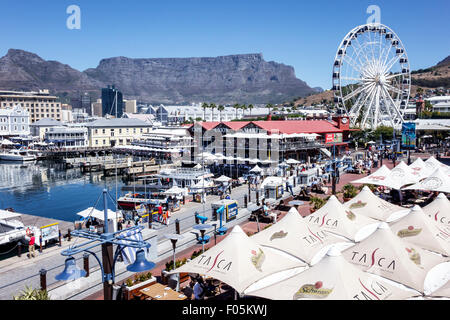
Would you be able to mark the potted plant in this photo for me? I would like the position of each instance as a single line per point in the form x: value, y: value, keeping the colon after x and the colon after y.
x: 32, y: 294
x: 349, y: 192
x: 316, y: 203
x: 139, y: 282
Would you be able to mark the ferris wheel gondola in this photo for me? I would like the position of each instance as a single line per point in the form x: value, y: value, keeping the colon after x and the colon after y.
x: 371, y: 77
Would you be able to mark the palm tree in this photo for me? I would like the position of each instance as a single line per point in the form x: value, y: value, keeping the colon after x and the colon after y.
x: 250, y: 107
x: 220, y: 108
x: 243, y: 107
x: 270, y: 106
x: 236, y: 107
x: 212, y: 106
x: 204, y: 106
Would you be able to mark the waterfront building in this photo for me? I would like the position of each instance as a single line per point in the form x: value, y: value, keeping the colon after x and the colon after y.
x: 110, y: 96
x: 14, y: 121
x: 39, y: 128
x: 39, y: 104
x: 440, y: 103
x: 68, y: 136
x: 166, y: 143
x: 171, y: 115
x: 116, y: 132
x: 270, y: 141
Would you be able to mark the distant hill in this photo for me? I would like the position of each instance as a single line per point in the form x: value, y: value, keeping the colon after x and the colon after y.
x: 430, y: 78
x: 244, y: 78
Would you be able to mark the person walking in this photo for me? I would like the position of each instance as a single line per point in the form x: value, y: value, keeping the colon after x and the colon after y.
x: 31, y: 248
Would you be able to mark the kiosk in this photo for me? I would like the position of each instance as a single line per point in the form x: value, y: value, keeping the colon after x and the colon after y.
x: 230, y: 209
x: 273, y: 190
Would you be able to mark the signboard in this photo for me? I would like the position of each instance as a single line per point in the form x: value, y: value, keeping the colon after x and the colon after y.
x: 409, y: 135
x: 333, y: 138
x: 232, y: 211
x: 50, y: 232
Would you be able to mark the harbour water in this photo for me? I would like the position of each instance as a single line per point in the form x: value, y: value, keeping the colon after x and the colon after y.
x: 46, y: 189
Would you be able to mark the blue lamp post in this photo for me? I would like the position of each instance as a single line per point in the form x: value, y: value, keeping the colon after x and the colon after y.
x: 107, y: 265
x: 222, y: 230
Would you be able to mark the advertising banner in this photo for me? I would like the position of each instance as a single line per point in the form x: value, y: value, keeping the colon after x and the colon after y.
x: 409, y: 135
x: 333, y: 138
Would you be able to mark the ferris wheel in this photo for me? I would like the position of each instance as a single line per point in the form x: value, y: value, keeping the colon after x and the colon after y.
x: 371, y: 77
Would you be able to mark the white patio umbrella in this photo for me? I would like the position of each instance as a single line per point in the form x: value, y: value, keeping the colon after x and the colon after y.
x: 439, y: 210
x: 292, y: 161
x: 388, y: 256
x: 438, y: 181
x: 432, y: 163
x: 223, y: 179
x: 417, y: 228
x: 7, y: 142
x: 419, y: 168
x: 368, y: 204
x: 378, y: 177
x: 443, y: 291
x: 336, y: 218
x: 239, y: 261
x: 332, y: 278
x: 256, y: 169
x: 175, y: 190
x: 98, y: 214
x: 293, y: 235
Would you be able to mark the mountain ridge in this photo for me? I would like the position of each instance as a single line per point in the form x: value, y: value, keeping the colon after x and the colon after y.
x: 240, y: 78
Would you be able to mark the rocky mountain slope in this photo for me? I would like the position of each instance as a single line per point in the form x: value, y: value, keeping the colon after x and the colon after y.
x: 245, y: 78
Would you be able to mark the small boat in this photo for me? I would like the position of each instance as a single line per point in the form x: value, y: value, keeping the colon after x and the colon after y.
x: 130, y: 201
x: 17, y: 155
x: 11, y: 229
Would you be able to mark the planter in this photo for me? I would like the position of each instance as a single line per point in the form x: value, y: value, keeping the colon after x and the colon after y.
x: 347, y: 199
x: 129, y: 292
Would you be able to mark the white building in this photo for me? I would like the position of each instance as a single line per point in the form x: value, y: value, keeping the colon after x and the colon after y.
x: 169, y: 115
x: 14, y: 121
x: 39, y: 128
x: 68, y: 137
x: 440, y: 103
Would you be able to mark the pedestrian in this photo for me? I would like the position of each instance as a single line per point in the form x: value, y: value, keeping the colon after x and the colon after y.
x: 31, y: 244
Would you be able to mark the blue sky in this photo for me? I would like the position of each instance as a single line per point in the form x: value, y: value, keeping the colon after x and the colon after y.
x: 303, y: 34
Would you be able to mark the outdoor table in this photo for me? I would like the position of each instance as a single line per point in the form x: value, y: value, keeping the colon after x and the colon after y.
x: 296, y: 203
x: 158, y: 291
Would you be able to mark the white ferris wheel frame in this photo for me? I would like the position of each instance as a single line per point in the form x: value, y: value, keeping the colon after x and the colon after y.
x: 373, y: 96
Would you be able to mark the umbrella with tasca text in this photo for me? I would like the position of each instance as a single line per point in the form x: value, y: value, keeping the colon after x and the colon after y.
x: 388, y: 256
x: 417, y: 228
x: 420, y: 169
x: 368, y: 204
x: 239, y: 261
x: 439, y: 210
x: 295, y: 236
x: 336, y: 218
x: 378, y: 177
x: 438, y: 181
x: 432, y: 163
x: 332, y: 278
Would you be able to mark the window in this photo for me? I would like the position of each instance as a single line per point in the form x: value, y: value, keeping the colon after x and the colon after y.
x: 96, y: 142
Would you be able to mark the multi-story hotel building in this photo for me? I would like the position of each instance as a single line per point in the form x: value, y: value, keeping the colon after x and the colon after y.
x: 40, y: 104
x: 116, y: 132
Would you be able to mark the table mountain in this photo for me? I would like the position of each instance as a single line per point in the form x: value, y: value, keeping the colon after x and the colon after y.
x: 245, y: 78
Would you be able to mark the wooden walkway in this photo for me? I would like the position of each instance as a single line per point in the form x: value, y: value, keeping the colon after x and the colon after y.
x: 30, y: 220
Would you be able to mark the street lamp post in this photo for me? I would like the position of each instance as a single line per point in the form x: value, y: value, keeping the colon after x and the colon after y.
x: 174, y: 238
x: 107, y: 265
